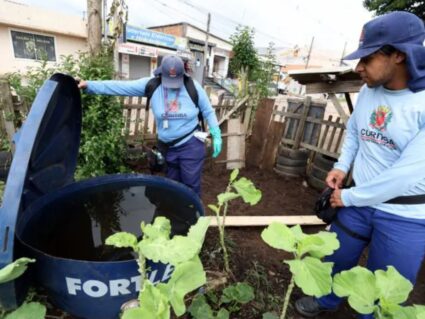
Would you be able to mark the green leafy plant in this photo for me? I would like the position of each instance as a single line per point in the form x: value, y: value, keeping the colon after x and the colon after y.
x: 309, y: 273
x: 237, y: 188
x: 179, y: 251
x: 33, y: 310
x: 380, y: 293
x: 233, y: 296
x: 102, y: 146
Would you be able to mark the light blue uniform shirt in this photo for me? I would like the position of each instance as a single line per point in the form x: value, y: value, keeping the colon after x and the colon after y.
x: 385, y: 138
x: 182, y: 119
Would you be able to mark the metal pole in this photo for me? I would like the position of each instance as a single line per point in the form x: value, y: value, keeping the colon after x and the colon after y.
x: 206, y: 48
x: 343, y: 54
x: 309, y: 53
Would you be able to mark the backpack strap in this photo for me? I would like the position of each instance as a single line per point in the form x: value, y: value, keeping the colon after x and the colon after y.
x: 151, y: 86
x: 193, y: 93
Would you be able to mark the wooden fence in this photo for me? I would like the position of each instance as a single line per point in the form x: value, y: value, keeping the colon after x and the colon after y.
x: 310, y: 130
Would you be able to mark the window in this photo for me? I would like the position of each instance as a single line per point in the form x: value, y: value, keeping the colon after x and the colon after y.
x: 33, y: 46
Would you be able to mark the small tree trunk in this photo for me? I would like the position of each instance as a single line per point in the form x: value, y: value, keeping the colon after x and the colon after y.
x: 94, y: 26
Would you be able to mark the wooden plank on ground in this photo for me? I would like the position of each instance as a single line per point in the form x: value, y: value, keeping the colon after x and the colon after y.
x: 251, y: 221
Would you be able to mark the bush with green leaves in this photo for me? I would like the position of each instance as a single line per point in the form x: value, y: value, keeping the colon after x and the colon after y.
x: 233, y: 297
x: 237, y: 188
x: 28, y: 309
x: 102, y: 146
x: 380, y: 293
x: 309, y: 272
x: 180, y: 251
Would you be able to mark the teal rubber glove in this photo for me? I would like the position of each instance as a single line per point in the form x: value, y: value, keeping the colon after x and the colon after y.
x: 217, y: 142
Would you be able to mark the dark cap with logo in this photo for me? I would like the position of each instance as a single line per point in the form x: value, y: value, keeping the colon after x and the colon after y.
x: 172, y: 72
x: 395, y: 28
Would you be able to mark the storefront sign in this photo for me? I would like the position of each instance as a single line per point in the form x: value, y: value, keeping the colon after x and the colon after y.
x: 155, y: 38
x: 137, y: 49
x: 196, y: 47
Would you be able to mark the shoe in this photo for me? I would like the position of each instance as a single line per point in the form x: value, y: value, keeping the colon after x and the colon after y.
x: 309, y: 307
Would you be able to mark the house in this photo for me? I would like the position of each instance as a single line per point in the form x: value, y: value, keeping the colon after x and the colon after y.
x: 28, y: 33
x: 219, y: 50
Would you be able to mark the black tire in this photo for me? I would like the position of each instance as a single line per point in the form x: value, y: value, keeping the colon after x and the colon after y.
x: 316, y: 183
x: 324, y: 162
x: 318, y: 173
x: 285, y: 161
x: 294, y: 154
x: 283, y: 174
x: 294, y: 170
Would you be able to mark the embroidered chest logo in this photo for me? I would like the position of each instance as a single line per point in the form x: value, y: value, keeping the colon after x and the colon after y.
x: 380, y: 118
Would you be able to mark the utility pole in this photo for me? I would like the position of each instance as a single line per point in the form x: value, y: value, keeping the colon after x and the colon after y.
x: 309, y: 53
x: 341, y: 63
x: 206, y: 49
x: 105, y: 22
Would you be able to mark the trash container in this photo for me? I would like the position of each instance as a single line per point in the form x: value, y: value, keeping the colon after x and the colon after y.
x: 63, y: 224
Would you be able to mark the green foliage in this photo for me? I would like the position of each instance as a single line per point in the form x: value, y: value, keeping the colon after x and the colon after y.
x: 180, y: 251
x: 385, y: 6
x: 245, y: 55
x: 234, y: 296
x: 2, y: 186
x: 266, y: 72
x: 14, y: 270
x: 380, y: 293
x: 237, y: 188
x: 312, y: 275
x: 102, y: 145
x: 33, y: 310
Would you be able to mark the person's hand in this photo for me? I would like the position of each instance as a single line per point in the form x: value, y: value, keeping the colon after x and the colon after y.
x: 81, y: 83
x: 217, y: 142
x: 335, y: 199
x: 335, y: 178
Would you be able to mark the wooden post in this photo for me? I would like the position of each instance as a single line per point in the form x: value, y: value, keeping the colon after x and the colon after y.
x: 235, y: 144
x: 338, y: 106
x: 272, y: 144
x: 301, y: 124
x: 260, y: 131
x: 6, y: 111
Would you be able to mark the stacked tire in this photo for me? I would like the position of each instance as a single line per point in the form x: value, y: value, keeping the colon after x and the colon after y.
x: 5, y: 161
x: 320, y: 167
x: 291, y: 163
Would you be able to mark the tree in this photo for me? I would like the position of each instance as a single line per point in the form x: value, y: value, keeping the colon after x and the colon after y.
x: 385, y: 6
x: 245, y: 59
x: 266, y: 72
x: 94, y: 26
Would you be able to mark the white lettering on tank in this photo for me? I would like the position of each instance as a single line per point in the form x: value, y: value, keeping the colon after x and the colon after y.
x: 95, y: 288
x: 73, y: 284
x: 167, y: 273
x: 119, y: 287
x: 136, y: 281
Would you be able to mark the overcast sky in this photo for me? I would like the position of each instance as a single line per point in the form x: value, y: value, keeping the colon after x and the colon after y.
x: 284, y: 22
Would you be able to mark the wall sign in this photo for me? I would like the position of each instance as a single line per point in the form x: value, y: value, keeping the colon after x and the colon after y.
x: 33, y: 46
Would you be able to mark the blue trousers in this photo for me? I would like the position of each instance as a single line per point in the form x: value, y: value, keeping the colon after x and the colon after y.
x: 185, y: 163
x: 393, y: 240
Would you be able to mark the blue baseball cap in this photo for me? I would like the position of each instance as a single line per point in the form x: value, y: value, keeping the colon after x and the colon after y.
x: 401, y: 30
x: 171, y: 71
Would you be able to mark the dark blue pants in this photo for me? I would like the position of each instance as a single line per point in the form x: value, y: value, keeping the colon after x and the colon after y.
x: 185, y: 163
x: 393, y: 240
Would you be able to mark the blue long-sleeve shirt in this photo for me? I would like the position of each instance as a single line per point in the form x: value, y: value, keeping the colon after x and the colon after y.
x: 182, y: 118
x: 385, y: 139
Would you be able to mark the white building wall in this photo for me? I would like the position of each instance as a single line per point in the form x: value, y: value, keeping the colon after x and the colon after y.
x: 69, y: 32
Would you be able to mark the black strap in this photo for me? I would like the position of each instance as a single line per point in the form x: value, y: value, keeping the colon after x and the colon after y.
x: 349, y: 231
x: 174, y: 142
x: 407, y: 200
x: 153, y: 84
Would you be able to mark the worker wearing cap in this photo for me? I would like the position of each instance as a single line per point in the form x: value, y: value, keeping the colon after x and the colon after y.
x: 176, y: 117
x: 385, y: 147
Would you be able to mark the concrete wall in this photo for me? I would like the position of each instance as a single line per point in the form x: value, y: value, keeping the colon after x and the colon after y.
x: 69, y: 32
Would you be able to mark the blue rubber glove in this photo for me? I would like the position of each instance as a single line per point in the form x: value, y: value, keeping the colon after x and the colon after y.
x: 217, y: 142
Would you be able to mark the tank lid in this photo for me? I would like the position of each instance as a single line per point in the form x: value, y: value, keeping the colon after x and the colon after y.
x: 45, y: 158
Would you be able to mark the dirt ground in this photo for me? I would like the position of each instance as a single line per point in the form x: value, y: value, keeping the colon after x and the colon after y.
x: 251, y: 259
x: 254, y: 261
